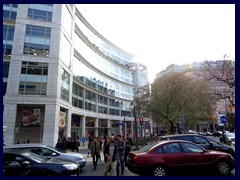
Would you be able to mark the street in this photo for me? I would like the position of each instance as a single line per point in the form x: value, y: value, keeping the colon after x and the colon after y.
x: 88, y: 169
x: 99, y: 171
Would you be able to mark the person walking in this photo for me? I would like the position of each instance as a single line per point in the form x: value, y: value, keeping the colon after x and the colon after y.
x: 90, y: 139
x: 110, y: 155
x: 95, y: 151
x: 129, y: 144
x: 121, y: 146
x: 83, y: 140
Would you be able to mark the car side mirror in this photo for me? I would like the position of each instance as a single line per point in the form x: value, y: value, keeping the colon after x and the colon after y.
x: 25, y: 163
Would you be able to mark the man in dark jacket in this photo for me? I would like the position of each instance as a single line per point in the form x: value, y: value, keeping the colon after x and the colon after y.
x: 110, y: 156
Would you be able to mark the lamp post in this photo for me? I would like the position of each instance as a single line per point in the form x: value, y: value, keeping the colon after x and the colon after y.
x: 136, y: 130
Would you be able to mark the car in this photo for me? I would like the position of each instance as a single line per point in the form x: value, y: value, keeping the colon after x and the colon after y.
x: 20, y: 163
x: 170, y: 156
x: 49, y: 152
x: 228, y: 136
x: 216, y: 133
x: 203, y: 141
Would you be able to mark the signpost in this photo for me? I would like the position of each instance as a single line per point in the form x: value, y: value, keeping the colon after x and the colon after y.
x: 223, y: 120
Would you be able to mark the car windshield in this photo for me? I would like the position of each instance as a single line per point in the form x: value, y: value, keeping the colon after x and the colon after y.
x: 230, y: 135
x: 56, y: 149
x: 34, y: 157
x: 147, y: 148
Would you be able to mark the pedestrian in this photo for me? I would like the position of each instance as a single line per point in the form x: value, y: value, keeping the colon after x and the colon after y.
x: 28, y: 141
x: 100, y: 142
x: 110, y: 155
x: 128, y: 148
x: 90, y: 139
x: 121, y: 146
x: 77, y: 144
x: 95, y: 151
x: 18, y: 141
x: 83, y: 140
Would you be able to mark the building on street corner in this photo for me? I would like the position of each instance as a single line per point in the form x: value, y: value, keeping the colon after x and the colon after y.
x: 62, y: 78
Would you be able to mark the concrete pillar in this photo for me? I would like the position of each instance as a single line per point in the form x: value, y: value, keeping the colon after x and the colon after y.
x: 83, y: 126
x: 109, y: 127
x: 120, y: 128
x: 96, y: 127
x: 132, y: 129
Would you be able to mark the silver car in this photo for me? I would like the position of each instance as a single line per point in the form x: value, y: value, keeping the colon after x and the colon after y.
x: 49, y: 152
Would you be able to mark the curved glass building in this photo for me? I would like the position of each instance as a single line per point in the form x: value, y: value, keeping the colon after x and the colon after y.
x: 62, y: 78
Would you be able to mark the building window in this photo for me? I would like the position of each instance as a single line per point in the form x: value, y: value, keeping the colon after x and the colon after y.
x: 10, y: 11
x: 42, y: 12
x: 65, y: 85
x: 37, y: 41
x: 33, y: 79
x: 6, y: 65
x: 8, y: 35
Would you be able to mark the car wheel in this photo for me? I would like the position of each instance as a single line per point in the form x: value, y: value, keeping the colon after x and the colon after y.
x: 223, y: 168
x: 159, y: 171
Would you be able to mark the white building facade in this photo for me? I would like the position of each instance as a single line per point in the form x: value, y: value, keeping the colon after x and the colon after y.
x: 61, y: 77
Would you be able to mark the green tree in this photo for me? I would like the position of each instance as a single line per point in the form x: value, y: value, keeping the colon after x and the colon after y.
x: 177, y: 94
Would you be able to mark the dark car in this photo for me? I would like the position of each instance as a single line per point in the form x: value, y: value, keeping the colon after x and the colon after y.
x: 203, y: 141
x: 19, y: 163
x: 49, y: 152
x: 217, y: 133
x: 167, y: 157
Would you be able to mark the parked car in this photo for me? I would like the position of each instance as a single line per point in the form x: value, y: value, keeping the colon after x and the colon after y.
x: 216, y: 133
x: 203, y: 141
x: 170, y: 156
x: 49, y: 152
x: 228, y: 136
x: 20, y: 163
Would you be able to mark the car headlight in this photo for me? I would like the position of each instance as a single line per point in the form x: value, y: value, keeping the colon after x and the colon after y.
x: 71, y: 166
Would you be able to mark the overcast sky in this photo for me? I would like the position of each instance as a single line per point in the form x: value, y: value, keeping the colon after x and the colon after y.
x: 163, y: 34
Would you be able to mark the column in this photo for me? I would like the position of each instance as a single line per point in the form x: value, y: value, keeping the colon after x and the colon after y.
x: 132, y: 129
x: 120, y: 128
x: 96, y: 127
x: 83, y: 126
x: 109, y: 127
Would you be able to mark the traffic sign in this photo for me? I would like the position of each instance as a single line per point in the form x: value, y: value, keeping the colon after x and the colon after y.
x: 223, y: 119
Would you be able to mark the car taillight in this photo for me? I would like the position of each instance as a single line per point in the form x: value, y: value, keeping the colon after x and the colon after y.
x: 135, y: 158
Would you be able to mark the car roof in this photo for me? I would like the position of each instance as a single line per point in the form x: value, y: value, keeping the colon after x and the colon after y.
x: 25, y: 145
x: 178, y: 135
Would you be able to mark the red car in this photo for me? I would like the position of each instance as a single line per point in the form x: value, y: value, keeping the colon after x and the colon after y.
x: 169, y: 156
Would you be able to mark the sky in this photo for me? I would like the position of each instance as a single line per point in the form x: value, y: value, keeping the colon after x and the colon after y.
x: 159, y: 35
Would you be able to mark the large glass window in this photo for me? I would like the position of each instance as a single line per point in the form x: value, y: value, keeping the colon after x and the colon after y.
x: 10, y: 11
x: 42, y: 12
x: 33, y: 79
x: 37, y: 40
x: 8, y: 35
x: 65, y: 85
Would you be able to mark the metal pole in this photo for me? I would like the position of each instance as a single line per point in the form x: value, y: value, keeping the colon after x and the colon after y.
x: 135, y: 120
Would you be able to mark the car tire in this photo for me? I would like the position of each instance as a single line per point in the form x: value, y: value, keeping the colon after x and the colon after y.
x: 223, y: 168
x: 159, y: 171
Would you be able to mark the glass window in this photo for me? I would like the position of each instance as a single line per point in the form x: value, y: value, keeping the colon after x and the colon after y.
x: 191, y: 148
x: 33, y: 80
x: 37, y: 41
x: 6, y: 68
x: 42, y: 12
x: 10, y: 11
x: 171, y: 148
x: 65, y: 85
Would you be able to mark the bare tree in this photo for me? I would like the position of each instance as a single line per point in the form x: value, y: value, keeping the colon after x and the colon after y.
x: 221, y: 75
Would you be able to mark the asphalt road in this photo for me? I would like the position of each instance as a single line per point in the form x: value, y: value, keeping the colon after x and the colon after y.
x: 99, y: 171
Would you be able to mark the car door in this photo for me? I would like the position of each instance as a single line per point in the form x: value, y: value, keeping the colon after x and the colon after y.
x: 207, y: 143
x: 173, y: 155
x: 12, y: 165
x: 196, y: 157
